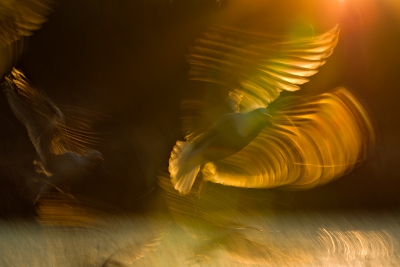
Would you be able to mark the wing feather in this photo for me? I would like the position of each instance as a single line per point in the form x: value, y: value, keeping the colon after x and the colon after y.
x: 34, y: 110
x: 261, y: 65
x: 313, y: 141
x: 48, y: 129
x: 20, y: 18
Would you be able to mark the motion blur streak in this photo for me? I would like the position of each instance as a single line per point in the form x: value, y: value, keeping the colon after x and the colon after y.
x: 209, y: 215
x: 21, y: 18
x: 353, y: 244
x: 248, y: 70
x: 63, y: 156
x: 113, y: 239
x: 18, y: 20
x: 313, y: 141
x: 230, y: 230
x: 262, y: 65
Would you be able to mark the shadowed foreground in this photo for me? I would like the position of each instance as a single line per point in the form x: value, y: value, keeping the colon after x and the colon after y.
x: 344, y: 238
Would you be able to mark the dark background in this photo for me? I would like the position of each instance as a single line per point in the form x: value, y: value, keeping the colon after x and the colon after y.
x: 126, y: 59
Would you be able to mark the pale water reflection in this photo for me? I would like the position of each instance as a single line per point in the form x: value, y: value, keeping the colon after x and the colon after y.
x: 306, y: 238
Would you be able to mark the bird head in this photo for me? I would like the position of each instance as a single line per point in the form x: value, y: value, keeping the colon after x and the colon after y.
x: 94, y: 153
x: 264, y: 113
x: 93, y: 157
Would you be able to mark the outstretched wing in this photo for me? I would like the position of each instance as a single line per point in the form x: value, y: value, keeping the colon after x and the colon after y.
x: 236, y: 70
x: 20, y: 18
x: 260, y: 65
x: 42, y: 119
x: 312, y: 141
x: 45, y: 122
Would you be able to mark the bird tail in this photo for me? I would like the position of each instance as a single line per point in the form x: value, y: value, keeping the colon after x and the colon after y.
x: 183, y: 167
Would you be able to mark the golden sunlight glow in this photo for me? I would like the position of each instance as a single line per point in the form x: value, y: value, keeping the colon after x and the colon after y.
x: 226, y: 223
x: 312, y: 141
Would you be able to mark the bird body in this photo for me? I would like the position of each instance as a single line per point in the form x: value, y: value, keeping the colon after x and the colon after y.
x: 68, y: 164
x: 44, y: 121
x: 229, y: 135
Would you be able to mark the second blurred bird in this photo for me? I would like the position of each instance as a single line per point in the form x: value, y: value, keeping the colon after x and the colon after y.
x: 63, y: 156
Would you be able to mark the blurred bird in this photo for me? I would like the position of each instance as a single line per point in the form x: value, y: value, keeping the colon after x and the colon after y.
x: 61, y: 152
x: 19, y: 19
x: 229, y: 135
x: 309, y: 141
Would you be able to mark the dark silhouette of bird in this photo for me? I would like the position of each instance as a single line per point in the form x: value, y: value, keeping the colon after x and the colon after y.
x: 61, y: 152
x: 230, y: 134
